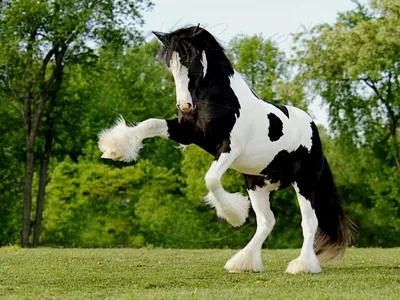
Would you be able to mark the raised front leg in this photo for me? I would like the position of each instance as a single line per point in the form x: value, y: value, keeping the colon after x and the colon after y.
x: 232, y: 207
x: 122, y: 142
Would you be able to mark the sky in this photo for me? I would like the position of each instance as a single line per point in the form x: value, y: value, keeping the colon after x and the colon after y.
x: 274, y: 19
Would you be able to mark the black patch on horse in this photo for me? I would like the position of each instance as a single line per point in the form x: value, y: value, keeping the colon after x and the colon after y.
x: 298, y: 166
x: 275, y: 130
x: 284, y: 168
x: 254, y: 181
x: 285, y: 165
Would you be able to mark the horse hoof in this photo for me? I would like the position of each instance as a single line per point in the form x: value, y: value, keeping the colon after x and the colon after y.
x: 243, y: 261
x: 300, y: 265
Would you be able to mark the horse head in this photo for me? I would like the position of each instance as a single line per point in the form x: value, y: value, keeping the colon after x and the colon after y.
x: 185, y: 52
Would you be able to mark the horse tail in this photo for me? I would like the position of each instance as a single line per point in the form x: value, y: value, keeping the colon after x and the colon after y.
x: 335, y: 229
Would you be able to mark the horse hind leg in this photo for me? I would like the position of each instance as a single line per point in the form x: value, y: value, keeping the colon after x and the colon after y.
x: 249, y: 258
x: 307, y: 261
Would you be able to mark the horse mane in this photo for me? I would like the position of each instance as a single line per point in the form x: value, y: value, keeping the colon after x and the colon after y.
x: 189, y: 41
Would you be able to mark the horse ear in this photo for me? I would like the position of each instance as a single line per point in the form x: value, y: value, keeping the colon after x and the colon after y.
x: 197, y: 30
x: 163, y: 37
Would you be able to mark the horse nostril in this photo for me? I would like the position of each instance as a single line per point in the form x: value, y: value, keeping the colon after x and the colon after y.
x: 177, y: 105
x: 189, y: 105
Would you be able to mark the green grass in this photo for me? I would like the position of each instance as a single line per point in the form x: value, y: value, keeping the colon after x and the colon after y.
x: 170, y: 274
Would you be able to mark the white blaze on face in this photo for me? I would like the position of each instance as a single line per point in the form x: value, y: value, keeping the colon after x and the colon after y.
x: 181, y: 78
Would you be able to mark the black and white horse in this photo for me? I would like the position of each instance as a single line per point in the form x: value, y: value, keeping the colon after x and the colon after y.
x: 274, y: 146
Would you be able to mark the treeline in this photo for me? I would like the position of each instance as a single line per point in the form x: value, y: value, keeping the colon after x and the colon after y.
x: 68, y: 69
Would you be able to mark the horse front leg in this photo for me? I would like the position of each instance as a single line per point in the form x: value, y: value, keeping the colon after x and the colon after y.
x: 249, y: 258
x: 122, y: 142
x: 232, y: 207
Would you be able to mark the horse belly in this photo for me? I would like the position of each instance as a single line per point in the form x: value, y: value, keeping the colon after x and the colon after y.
x: 252, y: 161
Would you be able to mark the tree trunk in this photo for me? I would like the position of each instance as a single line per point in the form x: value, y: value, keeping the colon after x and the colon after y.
x: 393, y: 134
x: 30, y: 148
x: 29, y: 168
x: 32, y: 125
x: 31, y: 128
x: 54, y: 86
x: 393, y: 122
x: 43, y: 183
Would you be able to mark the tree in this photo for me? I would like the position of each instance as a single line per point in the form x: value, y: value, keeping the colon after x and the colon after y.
x: 354, y: 65
x: 39, y: 39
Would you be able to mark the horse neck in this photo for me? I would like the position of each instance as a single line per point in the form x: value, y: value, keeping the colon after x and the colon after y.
x: 239, y: 85
x: 225, y: 78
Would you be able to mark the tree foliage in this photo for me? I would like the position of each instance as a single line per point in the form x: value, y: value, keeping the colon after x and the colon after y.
x: 354, y: 65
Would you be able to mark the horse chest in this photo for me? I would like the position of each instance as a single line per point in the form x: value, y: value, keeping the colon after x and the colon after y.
x: 208, y: 130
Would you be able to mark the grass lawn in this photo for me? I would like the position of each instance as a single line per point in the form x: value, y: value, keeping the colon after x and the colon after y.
x: 170, y: 274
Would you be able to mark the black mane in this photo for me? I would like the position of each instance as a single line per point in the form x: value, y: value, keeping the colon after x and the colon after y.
x: 189, y: 41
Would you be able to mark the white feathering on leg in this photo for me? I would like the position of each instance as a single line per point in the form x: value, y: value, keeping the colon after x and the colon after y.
x: 120, y: 142
x: 210, y: 201
x: 233, y: 207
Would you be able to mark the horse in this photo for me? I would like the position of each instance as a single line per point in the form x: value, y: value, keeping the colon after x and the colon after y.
x: 274, y: 146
